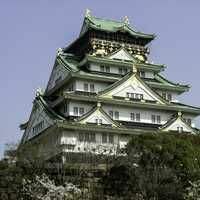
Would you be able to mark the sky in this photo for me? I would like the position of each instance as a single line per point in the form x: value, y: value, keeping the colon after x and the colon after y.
x: 32, y: 30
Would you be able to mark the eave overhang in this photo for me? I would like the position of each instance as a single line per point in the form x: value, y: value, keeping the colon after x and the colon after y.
x: 111, y: 26
x: 101, y: 60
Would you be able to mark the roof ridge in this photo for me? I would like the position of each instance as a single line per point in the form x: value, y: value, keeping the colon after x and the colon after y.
x: 105, y: 19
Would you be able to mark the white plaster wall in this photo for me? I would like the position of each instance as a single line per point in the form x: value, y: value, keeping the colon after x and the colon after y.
x: 93, y: 118
x: 148, y: 74
x: 99, y: 86
x: 192, y: 117
x: 113, y: 69
x: 174, y: 94
x: 86, y: 106
x: 145, y: 115
x: 72, y: 138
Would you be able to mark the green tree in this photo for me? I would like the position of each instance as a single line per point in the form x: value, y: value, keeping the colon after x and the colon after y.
x: 157, y: 166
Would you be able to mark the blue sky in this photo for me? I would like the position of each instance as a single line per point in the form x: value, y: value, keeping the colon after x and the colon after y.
x: 31, y: 31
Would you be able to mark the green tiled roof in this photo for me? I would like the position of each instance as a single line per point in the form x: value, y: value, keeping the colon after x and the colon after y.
x: 69, y: 61
x: 112, y: 26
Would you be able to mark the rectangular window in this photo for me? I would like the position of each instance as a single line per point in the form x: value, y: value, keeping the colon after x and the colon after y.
x: 180, y: 129
x: 81, y: 111
x: 75, y: 110
x: 153, y: 118
x: 98, y: 121
x: 164, y: 95
x: 86, y: 87
x: 104, y: 138
x: 169, y: 97
x: 65, y: 108
x: 87, y: 137
x: 116, y: 115
x: 110, y: 113
x: 92, y: 137
x: 158, y: 119
x: 142, y: 74
x: 71, y: 87
x: 120, y: 71
x: 102, y: 68
x: 137, y: 96
x: 138, y: 117
x: 38, y: 127
x: 81, y: 137
x: 91, y: 87
x: 107, y: 69
x: 111, y: 139
x: 125, y: 71
x: 188, y: 120
x: 132, y: 116
x: 134, y: 95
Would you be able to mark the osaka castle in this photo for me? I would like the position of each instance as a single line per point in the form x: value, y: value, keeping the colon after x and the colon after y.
x: 102, y: 90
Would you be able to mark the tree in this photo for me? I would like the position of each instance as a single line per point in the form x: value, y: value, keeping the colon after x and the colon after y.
x: 157, y: 166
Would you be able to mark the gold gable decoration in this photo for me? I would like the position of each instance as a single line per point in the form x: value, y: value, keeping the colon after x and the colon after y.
x: 102, y: 48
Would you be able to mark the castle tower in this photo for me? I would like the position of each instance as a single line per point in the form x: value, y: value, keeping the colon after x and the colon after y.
x: 102, y: 90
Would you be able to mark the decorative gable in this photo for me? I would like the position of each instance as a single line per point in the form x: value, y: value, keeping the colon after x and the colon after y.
x: 97, y: 116
x: 122, y: 54
x: 58, y: 73
x: 39, y: 121
x: 132, y: 87
x: 178, y: 124
x: 42, y: 117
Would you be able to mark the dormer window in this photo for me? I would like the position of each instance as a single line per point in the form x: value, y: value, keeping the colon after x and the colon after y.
x: 89, y: 87
x: 98, y: 121
x: 86, y: 87
x: 180, y: 129
x: 142, y: 74
x: 134, y: 95
x: 188, y: 120
x: 164, y: 95
x: 167, y: 96
x: 107, y: 69
x: 156, y: 119
x: 104, y: 68
x: 78, y: 111
x: 122, y: 71
x: 114, y: 114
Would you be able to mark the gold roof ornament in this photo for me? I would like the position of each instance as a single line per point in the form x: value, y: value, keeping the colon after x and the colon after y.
x: 98, y: 104
x: 39, y: 92
x: 179, y: 113
x: 88, y: 13
x: 126, y: 20
x: 134, y: 69
x: 59, y: 52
